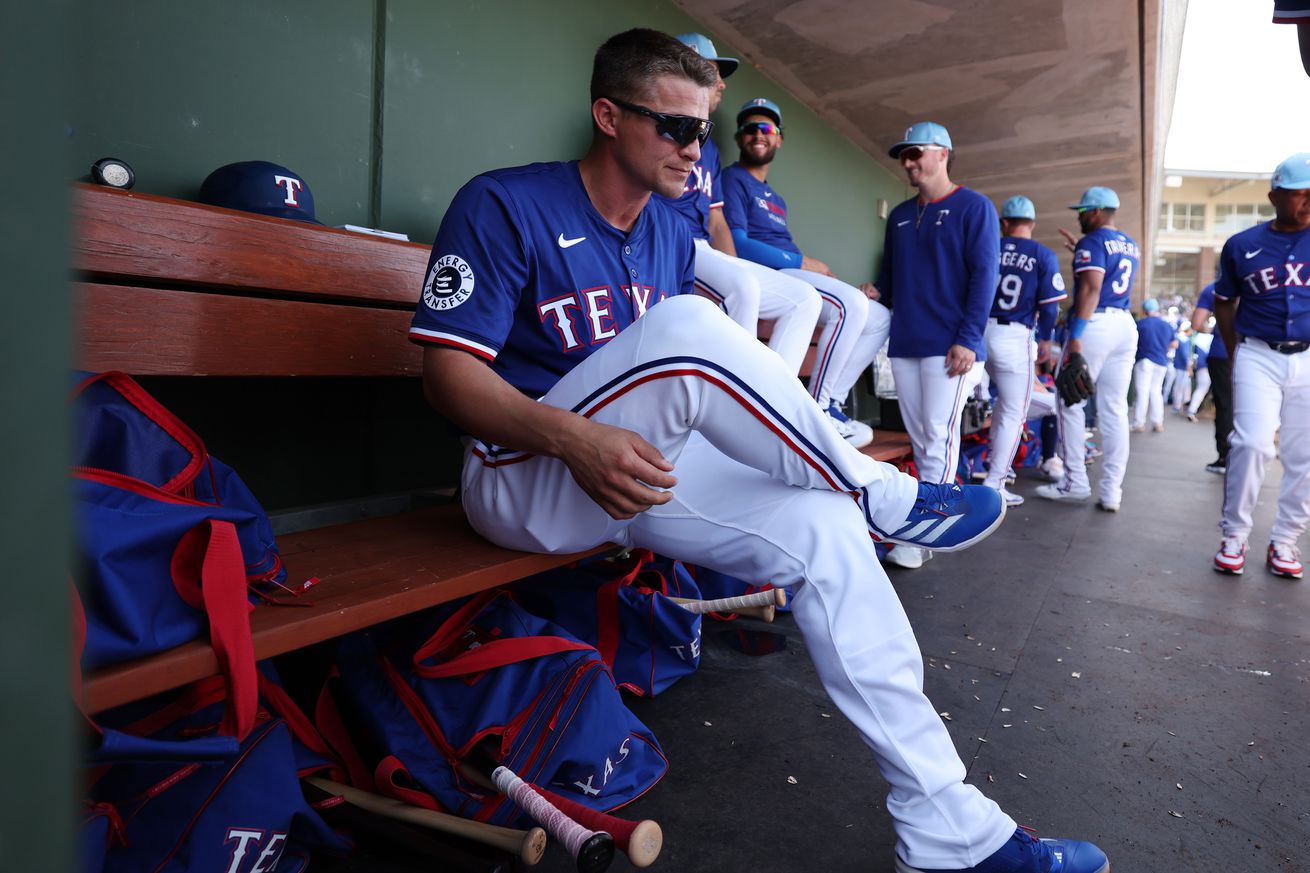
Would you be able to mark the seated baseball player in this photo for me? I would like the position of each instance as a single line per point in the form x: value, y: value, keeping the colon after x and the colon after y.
x: 606, y: 402
x: 854, y: 327
x: 745, y: 290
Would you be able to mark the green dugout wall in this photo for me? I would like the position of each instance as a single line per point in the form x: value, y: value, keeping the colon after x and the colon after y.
x: 386, y: 108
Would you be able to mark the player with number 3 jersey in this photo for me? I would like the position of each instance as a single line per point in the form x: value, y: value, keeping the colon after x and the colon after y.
x: 1103, y: 332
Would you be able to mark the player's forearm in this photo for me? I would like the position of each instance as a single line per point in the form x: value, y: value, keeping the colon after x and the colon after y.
x: 1087, y: 294
x: 1199, y: 318
x: 468, y: 392
x: 1224, y: 311
x: 721, y: 234
x: 763, y: 253
x: 1046, y: 316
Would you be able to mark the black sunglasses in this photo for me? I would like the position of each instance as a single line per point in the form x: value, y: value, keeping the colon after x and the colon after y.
x: 682, y: 129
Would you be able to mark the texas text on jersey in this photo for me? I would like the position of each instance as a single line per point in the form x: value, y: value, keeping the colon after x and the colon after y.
x: 503, y: 233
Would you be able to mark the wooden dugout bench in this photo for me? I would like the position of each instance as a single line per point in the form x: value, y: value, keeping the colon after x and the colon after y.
x: 167, y: 287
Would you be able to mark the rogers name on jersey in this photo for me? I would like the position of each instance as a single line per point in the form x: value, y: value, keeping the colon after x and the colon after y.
x: 450, y: 283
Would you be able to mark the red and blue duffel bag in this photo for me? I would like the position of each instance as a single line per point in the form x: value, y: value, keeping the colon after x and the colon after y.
x: 242, y: 812
x: 622, y: 607
x: 170, y: 542
x: 484, y: 681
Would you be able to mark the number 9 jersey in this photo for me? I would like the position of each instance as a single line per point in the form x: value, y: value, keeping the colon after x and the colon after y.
x: 1117, y: 256
x: 1030, y: 276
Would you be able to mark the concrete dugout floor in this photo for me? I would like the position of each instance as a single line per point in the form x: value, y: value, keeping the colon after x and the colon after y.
x: 1101, y: 681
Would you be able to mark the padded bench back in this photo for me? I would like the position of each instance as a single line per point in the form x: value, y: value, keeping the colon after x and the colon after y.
x: 170, y: 287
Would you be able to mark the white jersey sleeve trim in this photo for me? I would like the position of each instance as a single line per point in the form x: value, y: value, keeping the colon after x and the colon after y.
x: 1062, y: 296
x: 1085, y: 269
x: 420, y: 334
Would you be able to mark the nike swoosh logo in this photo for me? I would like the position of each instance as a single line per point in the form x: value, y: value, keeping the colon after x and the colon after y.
x: 568, y: 243
x: 1250, y: 255
x: 903, y: 223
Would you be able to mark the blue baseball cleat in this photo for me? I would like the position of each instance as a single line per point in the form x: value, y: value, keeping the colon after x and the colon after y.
x: 1023, y: 853
x: 947, y: 518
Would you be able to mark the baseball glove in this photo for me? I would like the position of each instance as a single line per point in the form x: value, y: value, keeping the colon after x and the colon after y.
x: 1074, y: 380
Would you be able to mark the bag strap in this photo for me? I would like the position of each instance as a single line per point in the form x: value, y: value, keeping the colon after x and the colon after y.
x: 223, y: 589
x: 498, y: 653
x: 332, y: 727
x: 607, y: 605
x: 159, y: 415
x: 489, y: 655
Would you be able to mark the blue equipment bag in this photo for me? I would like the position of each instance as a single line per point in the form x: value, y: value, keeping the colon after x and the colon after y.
x: 622, y: 607
x: 171, y: 543
x: 479, y: 681
x: 242, y: 812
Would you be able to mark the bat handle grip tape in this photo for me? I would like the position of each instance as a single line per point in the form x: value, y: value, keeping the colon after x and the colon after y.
x: 582, y: 844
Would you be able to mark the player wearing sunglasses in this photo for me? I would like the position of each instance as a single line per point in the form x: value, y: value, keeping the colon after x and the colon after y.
x: 600, y: 411
x: 854, y: 327
x: 940, y: 263
x: 746, y: 291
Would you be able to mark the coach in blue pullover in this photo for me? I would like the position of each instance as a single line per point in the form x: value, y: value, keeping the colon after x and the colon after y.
x: 940, y: 265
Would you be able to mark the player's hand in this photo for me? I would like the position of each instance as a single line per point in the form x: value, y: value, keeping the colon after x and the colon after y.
x: 870, y: 290
x: 1070, y: 241
x: 1043, y: 351
x: 814, y: 265
x: 616, y: 468
x: 959, y: 359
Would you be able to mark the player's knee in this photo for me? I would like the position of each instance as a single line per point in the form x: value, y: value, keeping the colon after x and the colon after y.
x: 1261, y: 444
x: 695, y: 320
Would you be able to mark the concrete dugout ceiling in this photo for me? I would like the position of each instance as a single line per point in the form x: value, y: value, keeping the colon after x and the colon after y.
x: 1042, y: 97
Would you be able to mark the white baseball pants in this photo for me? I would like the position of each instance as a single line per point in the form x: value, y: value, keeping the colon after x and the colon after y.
x: 1148, y: 376
x: 1198, y: 393
x: 748, y: 291
x: 1109, y: 346
x: 931, y: 403
x: 1270, y: 391
x: 761, y: 494
x: 854, y: 329
x: 1011, y: 355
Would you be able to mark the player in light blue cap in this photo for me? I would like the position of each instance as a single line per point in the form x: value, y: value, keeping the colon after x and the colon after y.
x: 922, y: 133
x: 1266, y: 268
x: 1029, y: 291
x: 938, y: 275
x: 1101, y: 329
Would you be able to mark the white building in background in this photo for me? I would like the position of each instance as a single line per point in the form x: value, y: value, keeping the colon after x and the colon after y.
x: 1199, y: 211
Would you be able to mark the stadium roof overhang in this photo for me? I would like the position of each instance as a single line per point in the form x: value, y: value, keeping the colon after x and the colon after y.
x: 1042, y: 97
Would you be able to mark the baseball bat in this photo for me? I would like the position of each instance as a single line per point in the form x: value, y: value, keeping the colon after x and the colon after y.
x: 453, y: 854
x: 761, y: 604
x: 528, y: 845
x: 641, y: 841
x: 591, y: 850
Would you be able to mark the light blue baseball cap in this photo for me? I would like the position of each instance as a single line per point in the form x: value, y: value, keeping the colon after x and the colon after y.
x: 1293, y: 173
x: 1151, y: 305
x: 922, y: 133
x: 701, y: 43
x: 1097, y: 197
x: 760, y: 104
x: 1019, y: 206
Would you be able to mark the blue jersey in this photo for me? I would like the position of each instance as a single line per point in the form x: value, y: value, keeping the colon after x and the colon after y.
x: 1113, y: 253
x: 1268, y: 271
x: 700, y: 194
x: 1030, y: 277
x: 752, y: 206
x: 1206, y: 301
x: 940, y: 264
x: 1201, y: 353
x: 525, y: 273
x: 1154, y: 335
x: 1182, y: 354
x: 1291, y: 11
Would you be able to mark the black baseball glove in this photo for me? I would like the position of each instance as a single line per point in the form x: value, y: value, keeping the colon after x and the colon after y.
x: 1074, y: 380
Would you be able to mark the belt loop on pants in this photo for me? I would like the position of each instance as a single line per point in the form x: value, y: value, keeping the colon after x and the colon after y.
x: 1003, y: 321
